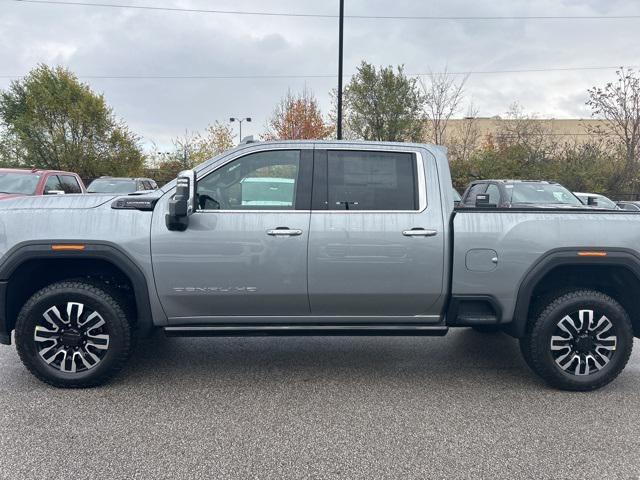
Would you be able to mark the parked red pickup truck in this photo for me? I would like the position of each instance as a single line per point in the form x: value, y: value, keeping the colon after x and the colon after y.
x: 17, y: 182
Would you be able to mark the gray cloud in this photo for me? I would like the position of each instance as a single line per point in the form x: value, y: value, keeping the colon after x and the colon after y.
x: 97, y: 41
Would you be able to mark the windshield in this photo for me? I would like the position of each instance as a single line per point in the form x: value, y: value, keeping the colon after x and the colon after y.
x: 112, y: 185
x: 18, y: 183
x: 541, y: 193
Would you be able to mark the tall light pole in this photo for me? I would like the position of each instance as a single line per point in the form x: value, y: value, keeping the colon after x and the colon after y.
x: 340, y: 56
x: 240, y: 120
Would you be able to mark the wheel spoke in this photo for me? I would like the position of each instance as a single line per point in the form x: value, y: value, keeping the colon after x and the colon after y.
x: 43, y: 334
x: 93, y: 321
x: 568, y: 325
x: 77, y: 308
x: 99, y: 341
x: 54, y: 318
x: 586, y: 319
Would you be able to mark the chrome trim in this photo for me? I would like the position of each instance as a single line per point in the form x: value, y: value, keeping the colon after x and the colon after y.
x: 281, y: 232
x: 421, y: 232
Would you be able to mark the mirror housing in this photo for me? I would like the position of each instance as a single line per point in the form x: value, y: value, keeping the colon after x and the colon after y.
x: 183, y: 203
x: 482, y: 201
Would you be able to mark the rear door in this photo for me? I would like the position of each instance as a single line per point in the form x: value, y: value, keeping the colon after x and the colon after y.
x: 376, y: 242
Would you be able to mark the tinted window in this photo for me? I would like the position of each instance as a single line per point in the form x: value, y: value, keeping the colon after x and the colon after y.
x: 263, y: 180
x: 53, y: 183
x: 70, y: 184
x: 475, y: 190
x: 371, y: 181
x: 20, y: 183
x: 494, y: 194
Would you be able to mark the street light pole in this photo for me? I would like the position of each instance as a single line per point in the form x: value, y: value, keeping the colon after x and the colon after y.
x: 340, y: 57
x: 240, y: 120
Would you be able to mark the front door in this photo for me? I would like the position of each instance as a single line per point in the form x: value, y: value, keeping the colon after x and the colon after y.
x: 376, y: 244
x: 244, y: 252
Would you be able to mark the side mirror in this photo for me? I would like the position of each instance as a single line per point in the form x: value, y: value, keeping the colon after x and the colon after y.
x: 183, y: 203
x: 54, y: 192
x: 482, y: 201
x: 592, y: 201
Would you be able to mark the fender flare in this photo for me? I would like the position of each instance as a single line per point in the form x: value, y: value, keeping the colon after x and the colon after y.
x: 616, y: 257
x: 108, y: 252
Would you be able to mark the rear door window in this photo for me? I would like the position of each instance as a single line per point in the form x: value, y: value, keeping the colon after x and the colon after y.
x: 379, y: 181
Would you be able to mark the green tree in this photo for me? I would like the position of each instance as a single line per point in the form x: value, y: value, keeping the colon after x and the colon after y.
x: 51, y: 120
x: 383, y: 105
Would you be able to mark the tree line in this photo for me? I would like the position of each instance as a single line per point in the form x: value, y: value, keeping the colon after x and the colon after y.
x: 49, y: 119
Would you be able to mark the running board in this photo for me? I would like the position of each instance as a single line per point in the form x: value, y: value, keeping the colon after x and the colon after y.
x: 291, y: 330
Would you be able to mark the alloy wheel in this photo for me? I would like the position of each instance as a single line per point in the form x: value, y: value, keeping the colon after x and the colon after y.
x: 584, y: 342
x: 71, y: 337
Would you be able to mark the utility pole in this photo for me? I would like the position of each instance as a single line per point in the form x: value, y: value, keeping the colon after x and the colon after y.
x: 340, y: 57
x: 240, y: 120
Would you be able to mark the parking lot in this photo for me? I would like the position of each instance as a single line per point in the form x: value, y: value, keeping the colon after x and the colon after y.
x: 366, y: 407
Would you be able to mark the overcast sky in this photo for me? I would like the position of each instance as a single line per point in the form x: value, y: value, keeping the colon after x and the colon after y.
x: 108, y: 41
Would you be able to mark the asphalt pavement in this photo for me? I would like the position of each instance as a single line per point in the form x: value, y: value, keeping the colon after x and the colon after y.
x: 462, y: 406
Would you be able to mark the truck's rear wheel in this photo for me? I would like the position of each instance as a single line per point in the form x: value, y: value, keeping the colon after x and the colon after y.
x: 73, y: 334
x: 582, y: 340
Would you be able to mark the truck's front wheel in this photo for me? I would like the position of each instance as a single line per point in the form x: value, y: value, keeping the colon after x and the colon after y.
x: 582, y: 340
x: 73, y: 334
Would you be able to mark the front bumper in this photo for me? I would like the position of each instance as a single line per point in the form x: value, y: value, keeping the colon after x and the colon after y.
x: 5, y: 331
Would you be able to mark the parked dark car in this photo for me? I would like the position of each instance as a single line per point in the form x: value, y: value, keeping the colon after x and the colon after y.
x: 121, y: 185
x: 16, y: 182
x: 519, y: 194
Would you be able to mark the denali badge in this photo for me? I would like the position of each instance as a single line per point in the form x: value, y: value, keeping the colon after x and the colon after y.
x: 205, y: 290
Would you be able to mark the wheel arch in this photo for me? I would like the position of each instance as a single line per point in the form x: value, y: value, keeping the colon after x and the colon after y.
x: 615, y: 272
x: 93, y: 259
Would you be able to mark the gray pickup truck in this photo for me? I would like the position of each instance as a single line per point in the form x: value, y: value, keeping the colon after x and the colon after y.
x: 314, y: 238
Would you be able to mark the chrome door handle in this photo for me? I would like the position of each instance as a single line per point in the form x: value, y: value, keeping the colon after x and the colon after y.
x: 419, y: 232
x: 284, y: 232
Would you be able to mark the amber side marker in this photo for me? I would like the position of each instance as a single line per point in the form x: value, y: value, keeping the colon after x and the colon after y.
x: 592, y: 254
x: 67, y: 248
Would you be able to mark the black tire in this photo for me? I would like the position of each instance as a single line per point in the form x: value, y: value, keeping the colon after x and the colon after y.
x: 110, y: 342
x: 487, y: 329
x: 585, y: 359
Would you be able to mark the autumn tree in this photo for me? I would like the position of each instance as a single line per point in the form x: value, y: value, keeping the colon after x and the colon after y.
x: 383, y: 104
x: 619, y: 104
x: 51, y: 120
x: 191, y: 149
x: 297, y: 117
x: 442, y: 98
